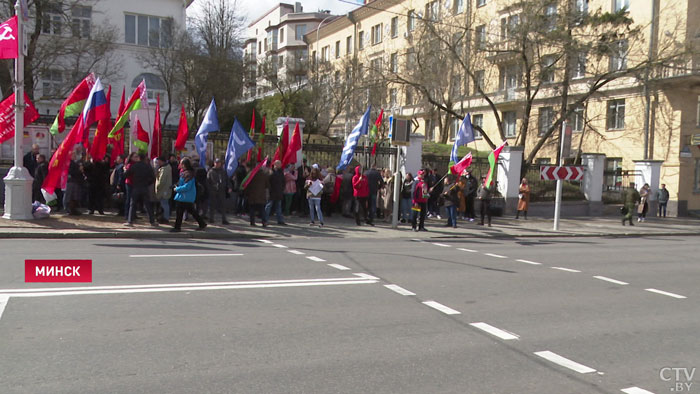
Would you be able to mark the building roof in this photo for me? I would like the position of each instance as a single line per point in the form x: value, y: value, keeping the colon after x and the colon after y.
x: 280, y: 5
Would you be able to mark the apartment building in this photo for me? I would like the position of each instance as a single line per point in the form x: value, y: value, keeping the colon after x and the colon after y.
x: 275, y: 51
x: 490, y: 80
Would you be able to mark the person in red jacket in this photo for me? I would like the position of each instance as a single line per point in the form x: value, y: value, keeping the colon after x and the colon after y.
x: 360, y: 192
x: 420, y: 200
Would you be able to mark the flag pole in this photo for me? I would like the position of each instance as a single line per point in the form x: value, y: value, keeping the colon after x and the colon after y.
x: 18, y: 182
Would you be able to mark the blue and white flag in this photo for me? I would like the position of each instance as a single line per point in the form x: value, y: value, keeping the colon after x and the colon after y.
x: 349, y: 149
x: 464, y: 136
x: 209, y: 123
x: 238, y: 144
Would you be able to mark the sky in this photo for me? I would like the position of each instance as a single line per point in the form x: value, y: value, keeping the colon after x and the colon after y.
x: 252, y: 9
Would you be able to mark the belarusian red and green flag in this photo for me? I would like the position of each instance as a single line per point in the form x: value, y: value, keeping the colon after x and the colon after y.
x: 282, y: 143
x: 73, y: 105
x: 142, y: 138
x: 374, y: 132
x: 493, y: 160
x: 138, y: 100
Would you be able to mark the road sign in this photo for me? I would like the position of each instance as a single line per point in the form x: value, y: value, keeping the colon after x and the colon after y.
x: 568, y: 173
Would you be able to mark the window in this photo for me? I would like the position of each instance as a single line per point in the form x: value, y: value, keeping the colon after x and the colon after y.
x: 394, y: 60
x: 259, y: 47
x: 432, y: 11
x: 376, y: 66
x: 147, y: 30
x: 458, y: 6
x: 411, y: 22
x: 376, y: 34
x: 696, y: 184
x: 508, y: 26
x: 409, y: 95
x: 545, y: 120
x: 577, y: 120
x: 456, y: 86
x: 394, y: 27
x: 509, y: 123
x: 543, y: 160
x: 281, y: 35
x: 618, y: 58
x: 348, y: 45
x: 52, y: 19
x: 299, y: 31
x: 613, y: 172
x: 547, y: 73
x: 326, y: 53
x: 429, y: 129
x: 281, y: 61
x: 392, y: 97
x: 361, y: 40
x: 411, y: 59
x: 81, y: 21
x: 621, y: 5
x: 51, y: 83
x: 510, y: 77
x: 550, y: 17
x: 478, y: 120
x: 582, y: 7
x: 480, y: 3
x: 616, y: 114
x: 479, y: 80
x: 579, y: 70
x: 480, y: 36
x: 337, y: 49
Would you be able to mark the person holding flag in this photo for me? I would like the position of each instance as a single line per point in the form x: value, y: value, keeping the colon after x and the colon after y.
x: 487, y: 185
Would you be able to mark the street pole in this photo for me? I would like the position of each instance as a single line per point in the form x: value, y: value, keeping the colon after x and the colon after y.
x: 397, y: 176
x: 18, y: 182
x: 560, y: 185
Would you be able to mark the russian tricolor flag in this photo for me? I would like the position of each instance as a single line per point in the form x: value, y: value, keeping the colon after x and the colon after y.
x: 95, y: 108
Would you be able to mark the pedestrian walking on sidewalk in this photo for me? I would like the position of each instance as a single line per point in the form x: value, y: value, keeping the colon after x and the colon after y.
x: 643, y: 207
x: 523, y: 198
x: 631, y: 199
x: 421, y: 194
x: 185, y: 195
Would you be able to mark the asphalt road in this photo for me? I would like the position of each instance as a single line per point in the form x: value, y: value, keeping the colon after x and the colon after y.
x: 558, y: 316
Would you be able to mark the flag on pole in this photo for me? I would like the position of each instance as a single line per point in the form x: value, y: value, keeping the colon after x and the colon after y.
x: 493, y: 160
x: 373, y: 133
x: 8, y: 39
x: 99, y: 141
x: 74, y: 104
x: 138, y: 100
x: 209, y: 123
x: 282, y: 143
x: 182, y: 131
x: 353, y: 138
x: 58, y: 165
x: 95, y: 110
x: 261, y: 140
x: 117, y: 141
x: 157, y: 134
x: 291, y: 156
x: 465, y: 135
x: 7, y: 116
x: 142, y: 138
x: 238, y: 143
x: 252, y: 173
x: 462, y: 164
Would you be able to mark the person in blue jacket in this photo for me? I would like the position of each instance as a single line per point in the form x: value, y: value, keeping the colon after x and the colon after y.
x: 185, y: 195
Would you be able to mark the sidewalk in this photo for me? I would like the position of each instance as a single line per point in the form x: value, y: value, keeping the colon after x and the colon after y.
x: 111, y: 226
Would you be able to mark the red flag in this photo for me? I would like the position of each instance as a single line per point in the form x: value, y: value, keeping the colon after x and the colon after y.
x: 157, y: 132
x: 493, y: 161
x: 99, y: 141
x: 290, y: 157
x: 462, y: 165
x: 282, y: 143
x: 142, y: 138
x: 7, y: 116
x: 252, y: 173
x: 8, y: 39
x: 58, y: 165
x: 251, y: 134
x: 118, y: 140
x: 373, y: 134
x: 182, y: 132
x: 261, y: 139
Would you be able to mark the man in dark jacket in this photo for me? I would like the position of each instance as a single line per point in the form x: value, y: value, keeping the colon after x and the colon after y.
x: 238, y: 178
x: 346, y: 193
x: 142, y: 179
x: 218, y: 185
x: 29, y: 160
x: 97, y: 174
x: 470, y: 187
x: 200, y: 177
x: 277, y: 183
x: 42, y: 170
x: 256, y: 194
x: 74, y: 184
x: 375, y: 182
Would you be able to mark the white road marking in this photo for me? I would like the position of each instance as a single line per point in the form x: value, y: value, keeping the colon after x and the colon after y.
x: 635, y: 390
x: 564, y: 269
x: 611, y: 280
x: 442, y: 308
x: 187, y: 255
x: 314, y: 258
x: 439, y: 244
x: 265, y: 241
x: 417, y: 240
x: 249, y: 285
x: 292, y: 251
x: 467, y: 250
x: 366, y: 276
x: 399, y: 290
x: 529, y: 262
x: 666, y: 293
x: 505, y: 335
x: 564, y: 362
x: 3, y: 303
x: 340, y: 267
x: 495, y: 255
x: 279, y: 246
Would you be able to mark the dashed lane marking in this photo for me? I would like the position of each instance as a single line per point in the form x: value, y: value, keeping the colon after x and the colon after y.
x: 366, y: 276
x: 400, y: 290
x: 666, y: 293
x: 495, y: 255
x: 187, y: 255
x: 635, y: 390
x: 441, y: 245
x: 495, y: 331
x: 442, y: 308
x: 611, y: 280
x: 292, y: 251
x: 564, y: 269
x: 564, y: 362
x: 340, y: 267
x: 314, y: 258
x: 265, y: 241
x: 467, y: 250
x: 279, y: 246
x: 529, y: 262
x: 3, y: 303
